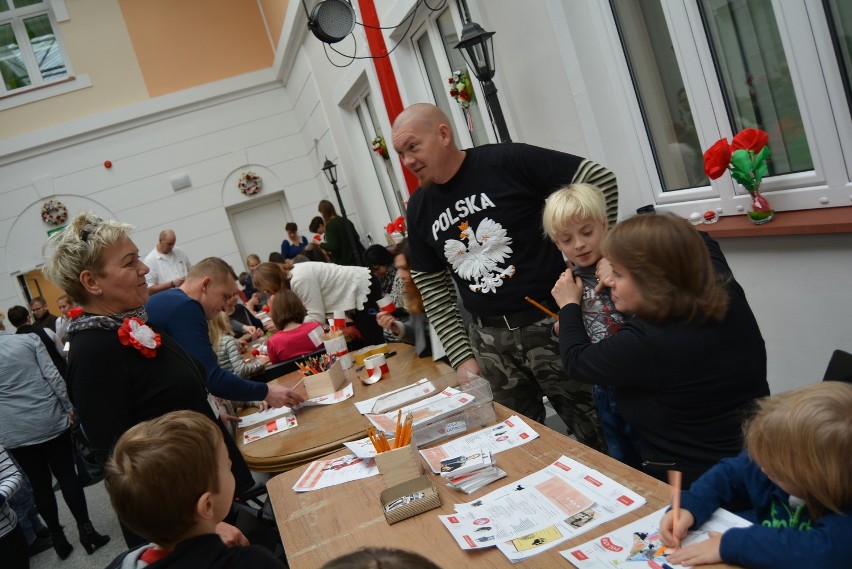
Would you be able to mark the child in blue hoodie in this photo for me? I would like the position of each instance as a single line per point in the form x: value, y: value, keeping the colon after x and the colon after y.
x: 797, y: 474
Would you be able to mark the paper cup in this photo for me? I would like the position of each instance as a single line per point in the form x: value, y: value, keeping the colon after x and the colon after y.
x: 339, y: 319
x: 376, y: 361
x: 386, y: 304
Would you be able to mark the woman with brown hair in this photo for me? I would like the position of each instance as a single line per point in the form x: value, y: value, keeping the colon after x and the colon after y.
x: 415, y: 328
x: 293, y: 337
x: 294, y: 243
x: 690, y: 363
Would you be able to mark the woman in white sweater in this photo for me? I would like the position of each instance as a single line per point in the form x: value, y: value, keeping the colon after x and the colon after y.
x: 325, y: 288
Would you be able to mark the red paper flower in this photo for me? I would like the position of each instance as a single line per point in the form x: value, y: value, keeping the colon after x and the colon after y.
x: 75, y: 312
x: 134, y: 332
x: 390, y: 227
x: 399, y: 224
x: 255, y: 352
x: 266, y: 308
x: 750, y: 139
x: 716, y: 159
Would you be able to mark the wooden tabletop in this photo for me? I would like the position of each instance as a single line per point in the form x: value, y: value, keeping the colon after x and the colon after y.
x: 323, y: 429
x: 321, y: 525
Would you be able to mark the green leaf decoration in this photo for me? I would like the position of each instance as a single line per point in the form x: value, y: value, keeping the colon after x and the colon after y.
x: 743, y: 178
x: 741, y: 160
x: 760, y: 166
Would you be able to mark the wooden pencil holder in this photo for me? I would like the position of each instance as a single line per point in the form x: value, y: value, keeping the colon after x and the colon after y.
x: 326, y: 382
x: 399, y: 465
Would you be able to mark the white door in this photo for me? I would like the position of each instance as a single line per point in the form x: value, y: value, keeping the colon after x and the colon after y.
x: 258, y: 225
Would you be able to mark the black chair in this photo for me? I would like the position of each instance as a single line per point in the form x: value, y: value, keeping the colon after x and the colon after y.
x: 283, y: 368
x: 839, y: 367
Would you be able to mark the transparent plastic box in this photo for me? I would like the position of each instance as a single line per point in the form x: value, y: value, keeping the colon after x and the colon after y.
x: 480, y: 413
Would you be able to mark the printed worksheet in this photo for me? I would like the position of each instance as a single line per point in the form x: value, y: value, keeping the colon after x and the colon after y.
x: 331, y: 398
x: 510, y: 433
x: 638, y: 546
x: 271, y: 427
x: 609, y: 501
x: 444, y: 403
x: 331, y: 472
x: 263, y: 416
x: 516, y: 514
x: 397, y: 397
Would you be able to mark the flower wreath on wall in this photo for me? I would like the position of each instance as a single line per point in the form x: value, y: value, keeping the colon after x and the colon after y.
x: 462, y: 91
x: 250, y: 183
x: 54, y: 212
x: 380, y: 147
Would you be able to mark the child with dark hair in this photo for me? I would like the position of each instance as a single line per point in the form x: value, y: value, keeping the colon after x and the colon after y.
x: 169, y: 480
x: 293, y: 337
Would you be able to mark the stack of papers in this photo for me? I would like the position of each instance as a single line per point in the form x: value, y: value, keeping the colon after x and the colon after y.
x: 438, y: 406
x: 541, y: 510
x: 470, y: 472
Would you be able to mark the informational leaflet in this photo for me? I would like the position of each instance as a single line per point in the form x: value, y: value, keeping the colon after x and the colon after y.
x: 331, y: 398
x: 610, y: 500
x: 270, y: 428
x: 331, y: 472
x: 444, y: 403
x: 263, y: 416
x: 397, y: 397
x: 638, y: 546
x: 517, y: 514
x: 510, y: 433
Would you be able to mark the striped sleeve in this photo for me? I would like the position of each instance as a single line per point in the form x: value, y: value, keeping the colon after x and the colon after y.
x: 441, y: 302
x: 593, y: 173
x: 10, y: 482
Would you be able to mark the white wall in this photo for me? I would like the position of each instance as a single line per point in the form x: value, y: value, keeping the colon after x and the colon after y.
x: 799, y: 290
x: 211, y: 141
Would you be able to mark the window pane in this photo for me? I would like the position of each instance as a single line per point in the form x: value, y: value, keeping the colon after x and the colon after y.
x: 456, y: 60
x: 23, y: 3
x: 661, y: 93
x: 12, y: 65
x: 436, y: 81
x: 4, y: 6
x: 371, y: 111
x: 756, y: 83
x: 839, y: 13
x: 45, y: 46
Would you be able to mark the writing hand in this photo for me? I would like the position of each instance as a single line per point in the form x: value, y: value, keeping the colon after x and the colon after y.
x: 672, y: 536
x: 701, y: 553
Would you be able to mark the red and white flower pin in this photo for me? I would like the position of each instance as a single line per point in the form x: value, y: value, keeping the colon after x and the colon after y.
x: 139, y: 335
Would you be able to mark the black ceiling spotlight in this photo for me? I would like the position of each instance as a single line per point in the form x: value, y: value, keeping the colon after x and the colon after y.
x: 331, y: 20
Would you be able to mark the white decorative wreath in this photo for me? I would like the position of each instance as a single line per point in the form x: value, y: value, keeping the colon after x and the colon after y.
x: 54, y: 212
x: 250, y: 183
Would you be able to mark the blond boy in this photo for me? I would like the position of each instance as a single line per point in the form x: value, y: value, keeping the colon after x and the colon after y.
x: 575, y: 220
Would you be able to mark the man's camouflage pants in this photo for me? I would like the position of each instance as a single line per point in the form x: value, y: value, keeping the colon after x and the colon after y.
x: 522, y: 365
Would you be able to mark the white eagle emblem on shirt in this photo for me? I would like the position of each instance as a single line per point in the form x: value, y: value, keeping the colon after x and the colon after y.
x: 479, y: 260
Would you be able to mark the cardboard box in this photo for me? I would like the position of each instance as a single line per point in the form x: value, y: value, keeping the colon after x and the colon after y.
x: 410, y: 498
x: 326, y: 382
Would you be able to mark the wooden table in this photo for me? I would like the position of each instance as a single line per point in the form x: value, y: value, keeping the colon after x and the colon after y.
x: 323, y: 429
x: 318, y: 526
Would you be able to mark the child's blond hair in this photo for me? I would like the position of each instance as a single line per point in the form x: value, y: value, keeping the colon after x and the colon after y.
x: 158, y: 471
x: 804, y: 438
x: 571, y: 203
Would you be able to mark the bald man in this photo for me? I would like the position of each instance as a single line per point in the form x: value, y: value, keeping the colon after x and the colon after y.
x: 169, y: 264
x: 476, y: 219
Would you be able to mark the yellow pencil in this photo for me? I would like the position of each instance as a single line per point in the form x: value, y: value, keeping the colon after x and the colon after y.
x: 542, y: 308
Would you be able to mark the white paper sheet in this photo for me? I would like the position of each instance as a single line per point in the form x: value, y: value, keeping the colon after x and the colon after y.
x: 425, y: 388
x: 331, y: 472
x: 633, y: 545
x: 510, y: 433
x: 272, y: 427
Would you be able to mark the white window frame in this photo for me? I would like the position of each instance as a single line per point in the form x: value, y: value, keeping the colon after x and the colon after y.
x: 819, y: 90
x: 415, y: 84
x: 39, y: 89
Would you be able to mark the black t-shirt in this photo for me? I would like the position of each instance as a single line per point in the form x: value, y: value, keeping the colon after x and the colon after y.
x: 485, y: 225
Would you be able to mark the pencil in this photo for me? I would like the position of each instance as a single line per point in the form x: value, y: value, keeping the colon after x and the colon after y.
x: 675, y: 480
x: 542, y: 308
